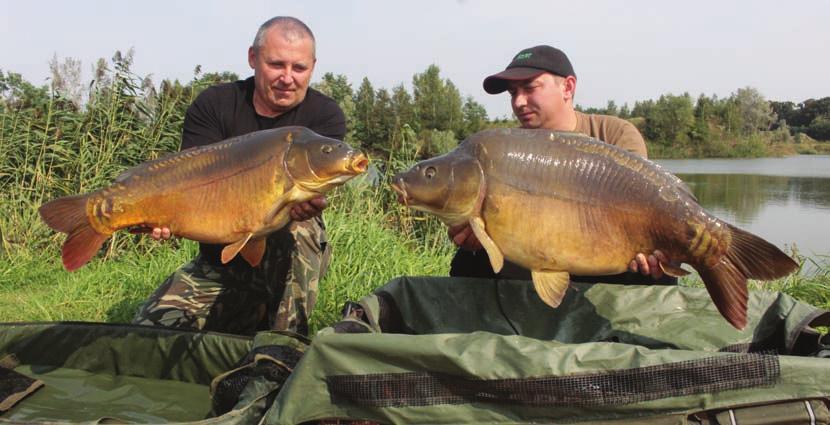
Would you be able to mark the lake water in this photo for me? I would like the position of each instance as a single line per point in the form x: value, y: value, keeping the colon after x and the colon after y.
x: 784, y: 200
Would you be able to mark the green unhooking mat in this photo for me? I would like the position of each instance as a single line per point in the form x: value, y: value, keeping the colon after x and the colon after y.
x: 448, y: 350
x: 104, y: 373
x: 440, y: 351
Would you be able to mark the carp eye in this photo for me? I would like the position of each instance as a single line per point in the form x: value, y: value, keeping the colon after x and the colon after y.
x: 326, y: 148
x: 429, y: 172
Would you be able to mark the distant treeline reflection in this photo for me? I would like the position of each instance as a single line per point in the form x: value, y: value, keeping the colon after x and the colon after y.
x: 745, y: 195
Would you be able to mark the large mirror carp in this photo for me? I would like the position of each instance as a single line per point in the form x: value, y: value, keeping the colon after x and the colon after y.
x: 233, y: 192
x: 561, y: 203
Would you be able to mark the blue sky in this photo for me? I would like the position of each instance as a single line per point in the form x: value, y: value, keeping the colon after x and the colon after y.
x: 621, y: 51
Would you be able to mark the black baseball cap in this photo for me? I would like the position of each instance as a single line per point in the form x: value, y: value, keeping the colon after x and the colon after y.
x: 530, y: 63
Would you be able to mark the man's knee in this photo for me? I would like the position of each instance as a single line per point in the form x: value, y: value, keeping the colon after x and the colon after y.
x: 183, y: 300
x: 313, y: 253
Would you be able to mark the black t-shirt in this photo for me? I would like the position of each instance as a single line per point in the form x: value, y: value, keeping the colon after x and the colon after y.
x: 227, y: 110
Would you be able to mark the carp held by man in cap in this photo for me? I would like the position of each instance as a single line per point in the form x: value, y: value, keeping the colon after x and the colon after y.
x: 233, y: 192
x: 560, y: 203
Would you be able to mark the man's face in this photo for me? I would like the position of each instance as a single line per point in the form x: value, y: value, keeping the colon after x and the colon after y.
x: 541, y: 102
x: 282, y: 70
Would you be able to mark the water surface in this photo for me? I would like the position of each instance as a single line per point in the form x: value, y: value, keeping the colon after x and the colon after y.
x: 784, y: 200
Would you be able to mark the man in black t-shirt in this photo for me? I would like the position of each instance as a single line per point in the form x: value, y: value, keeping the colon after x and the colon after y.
x: 280, y: 293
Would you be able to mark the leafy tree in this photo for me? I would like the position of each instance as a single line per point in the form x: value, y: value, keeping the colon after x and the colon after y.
x: 406, y: 119
x: 815, y: 108
x: 475, y: 117
x: 787, y: 112
x: 404, y: 108
x: 365, y: 120
x: 670, y: 120
x: 819, y: 129
x: 756, y: 113
x: 704, y: 110
x: 611, y: 108
x: 437, y: 102
x: 625, y: 111
x: 208, y: 79
x: 642, y: 108
x: 452, y: 104
x: 338, y: 88
x: 384, y: 112
x: 729, y: 115
x: 428, y: 89
x: 17, y: 93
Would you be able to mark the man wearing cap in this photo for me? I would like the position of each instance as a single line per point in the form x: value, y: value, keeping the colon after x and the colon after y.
x: 542, y: 83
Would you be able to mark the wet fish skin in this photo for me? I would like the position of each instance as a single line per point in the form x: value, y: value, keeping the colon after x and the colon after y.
x: 232, y: 192
x: 562, y: 203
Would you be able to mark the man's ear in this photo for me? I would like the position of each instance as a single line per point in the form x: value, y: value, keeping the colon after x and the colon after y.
x: 569, y: 87
x: 251, y: 57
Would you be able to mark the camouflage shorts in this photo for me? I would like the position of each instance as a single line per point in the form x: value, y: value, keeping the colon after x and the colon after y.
x: 279, y: 294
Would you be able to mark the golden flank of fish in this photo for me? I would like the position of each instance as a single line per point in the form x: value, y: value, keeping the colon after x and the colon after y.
x: 558, y: 203
x: 233, y: 192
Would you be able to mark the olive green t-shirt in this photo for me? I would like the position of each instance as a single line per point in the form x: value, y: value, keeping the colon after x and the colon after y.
x: 612, y: 130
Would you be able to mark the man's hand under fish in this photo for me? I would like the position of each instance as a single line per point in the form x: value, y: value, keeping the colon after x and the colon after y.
x: 300, y: 212
x: 462, y: 236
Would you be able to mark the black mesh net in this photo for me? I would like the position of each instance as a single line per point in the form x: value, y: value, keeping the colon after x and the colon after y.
x: 613, y: 387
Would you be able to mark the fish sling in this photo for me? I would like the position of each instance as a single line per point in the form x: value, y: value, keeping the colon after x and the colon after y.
x: 561, y: 203
x: 233, y: 192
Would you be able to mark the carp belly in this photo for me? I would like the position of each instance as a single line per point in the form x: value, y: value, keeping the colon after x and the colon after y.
x: 545, y: 233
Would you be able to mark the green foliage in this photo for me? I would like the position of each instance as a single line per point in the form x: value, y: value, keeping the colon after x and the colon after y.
x: 809, y: 117
x: 433, y: 100
x: 338, y: 88
x: 379, y: 120
x: 670, y: 120
x: 365, y: 123
x: 756, y: 113
x: 475, y: 118
x: 819, y: 128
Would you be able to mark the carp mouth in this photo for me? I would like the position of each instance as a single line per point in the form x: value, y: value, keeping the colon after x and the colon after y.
x: 359, y: 164
x: 400, y: 188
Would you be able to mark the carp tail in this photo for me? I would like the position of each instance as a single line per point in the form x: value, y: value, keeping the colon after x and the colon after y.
x: 757, y: 258
x: 68, y: 215
x: 748, y: 257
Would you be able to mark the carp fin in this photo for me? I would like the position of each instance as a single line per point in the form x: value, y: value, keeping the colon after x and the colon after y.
x: 81, y: 245
x: 230, y: 251
x: 726, y: 285
x: 551, y: 286
x: 750, y: 257
x: 493, y: 251
x: 278, y: 206
x: 65, y: 214
x: 253, y: 251
x: 68, y: 215
x: 673, y: 271
x: 293, y: 194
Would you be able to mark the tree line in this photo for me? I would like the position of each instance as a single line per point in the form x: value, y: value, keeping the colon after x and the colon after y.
x: 742, y: 124
x: 431, y: 116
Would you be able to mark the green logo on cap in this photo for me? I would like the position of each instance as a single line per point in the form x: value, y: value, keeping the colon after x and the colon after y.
x: 523, y: 56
